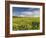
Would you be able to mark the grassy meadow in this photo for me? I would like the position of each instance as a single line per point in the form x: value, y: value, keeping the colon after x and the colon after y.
x: 25, y: 23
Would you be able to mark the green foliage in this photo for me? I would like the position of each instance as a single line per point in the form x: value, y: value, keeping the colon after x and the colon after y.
x: 25, y: 23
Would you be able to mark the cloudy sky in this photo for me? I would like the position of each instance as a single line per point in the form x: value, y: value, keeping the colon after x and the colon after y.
x: 21, y: 11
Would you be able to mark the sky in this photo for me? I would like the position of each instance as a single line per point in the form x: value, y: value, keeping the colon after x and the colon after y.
x: 23, y: 11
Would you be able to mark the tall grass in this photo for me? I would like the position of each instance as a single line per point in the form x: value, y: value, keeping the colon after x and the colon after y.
x: 25, y: 23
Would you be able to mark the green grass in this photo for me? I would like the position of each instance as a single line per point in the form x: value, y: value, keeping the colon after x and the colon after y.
x: 25, y: 23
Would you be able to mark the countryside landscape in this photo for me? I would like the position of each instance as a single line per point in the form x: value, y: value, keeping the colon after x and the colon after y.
x: 25, y: 19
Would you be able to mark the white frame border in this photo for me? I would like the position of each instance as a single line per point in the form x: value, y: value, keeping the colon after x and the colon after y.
x: 29, y: 31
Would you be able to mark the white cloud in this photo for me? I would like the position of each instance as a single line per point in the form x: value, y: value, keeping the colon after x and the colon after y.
x: 21, y: 15
x: 36, y: 12
x: 26, y: 13
x: 30, y: 14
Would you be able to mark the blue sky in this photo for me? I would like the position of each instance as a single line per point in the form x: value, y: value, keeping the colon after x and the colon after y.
x: 17, y: 11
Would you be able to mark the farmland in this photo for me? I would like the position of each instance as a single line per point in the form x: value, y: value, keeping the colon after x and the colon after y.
x: 25, y: 23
